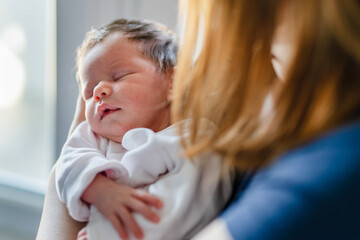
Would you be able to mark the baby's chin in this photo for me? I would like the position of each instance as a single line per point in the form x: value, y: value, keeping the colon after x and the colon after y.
x: 112, y: 132
x: 117, y: 139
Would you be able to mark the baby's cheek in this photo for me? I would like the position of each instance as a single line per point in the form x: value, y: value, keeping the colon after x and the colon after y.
x: 90, y: 110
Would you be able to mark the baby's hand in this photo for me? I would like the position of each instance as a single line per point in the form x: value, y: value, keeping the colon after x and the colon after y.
x: 82, y: 235
x: 117, y: 202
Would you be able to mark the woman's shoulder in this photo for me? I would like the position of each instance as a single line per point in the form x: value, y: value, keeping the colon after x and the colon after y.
x: 343, y: 140
x: 309, y: 192
x: 330, y: 161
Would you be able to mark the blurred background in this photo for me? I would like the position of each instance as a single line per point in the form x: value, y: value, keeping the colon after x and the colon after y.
x: 38, y: 91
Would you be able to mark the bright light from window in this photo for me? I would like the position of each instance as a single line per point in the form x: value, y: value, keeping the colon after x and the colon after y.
x: 14, y: 37
x: 12, y: 76
x: 27, y: 89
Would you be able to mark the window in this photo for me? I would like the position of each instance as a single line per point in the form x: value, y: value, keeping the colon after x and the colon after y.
x: 27, y: 112
x: 27, y: 80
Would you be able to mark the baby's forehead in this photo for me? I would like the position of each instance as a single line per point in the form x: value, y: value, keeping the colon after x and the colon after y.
x: 114, y: 59
x: 118, y: 40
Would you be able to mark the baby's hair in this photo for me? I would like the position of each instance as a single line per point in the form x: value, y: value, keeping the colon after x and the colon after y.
x: 159, y: 44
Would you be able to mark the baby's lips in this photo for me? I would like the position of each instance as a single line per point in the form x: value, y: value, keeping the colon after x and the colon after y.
x: 104, y: 108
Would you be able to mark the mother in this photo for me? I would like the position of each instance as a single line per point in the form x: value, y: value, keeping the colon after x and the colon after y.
x: 281, y: 80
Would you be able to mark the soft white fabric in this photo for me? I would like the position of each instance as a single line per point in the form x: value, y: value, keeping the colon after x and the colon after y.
x: 193, y: 192
x: 216, y: 230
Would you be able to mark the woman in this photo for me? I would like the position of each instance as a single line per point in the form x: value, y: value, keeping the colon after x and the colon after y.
x: 281, y: 80
x: 297, y: 130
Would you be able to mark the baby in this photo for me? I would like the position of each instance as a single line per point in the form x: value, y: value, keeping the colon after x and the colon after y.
x: 125, y: 72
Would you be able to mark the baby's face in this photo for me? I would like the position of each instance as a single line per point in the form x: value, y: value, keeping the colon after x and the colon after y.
x: 122, y: 89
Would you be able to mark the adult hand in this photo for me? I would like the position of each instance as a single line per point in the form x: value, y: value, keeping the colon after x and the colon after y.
x: 117, y: 203
x: 79, y: 115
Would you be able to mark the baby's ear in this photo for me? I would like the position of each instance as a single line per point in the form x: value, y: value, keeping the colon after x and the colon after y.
x: 170, y: 77
x: 170, y: 73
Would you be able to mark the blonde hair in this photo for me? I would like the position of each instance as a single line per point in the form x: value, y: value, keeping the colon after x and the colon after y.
x: 229, y: 81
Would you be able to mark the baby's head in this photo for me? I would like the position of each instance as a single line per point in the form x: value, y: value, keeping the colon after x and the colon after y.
x: 125, y: 73
x: 158, y: 43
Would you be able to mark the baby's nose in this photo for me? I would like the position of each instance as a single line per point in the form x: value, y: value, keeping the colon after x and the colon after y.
x: 101, y: 91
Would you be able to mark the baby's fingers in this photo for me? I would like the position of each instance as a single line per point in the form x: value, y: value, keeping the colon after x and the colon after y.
x: 119, y: 226
x: 82, y: 235
x: 131, y: 224
x: 145, y: 210
x: 148, y: 198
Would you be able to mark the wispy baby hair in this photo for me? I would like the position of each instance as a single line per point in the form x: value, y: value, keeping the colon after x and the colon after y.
x: 159, y: 43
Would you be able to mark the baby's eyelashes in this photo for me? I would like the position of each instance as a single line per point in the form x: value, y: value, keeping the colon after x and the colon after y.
x: 118, y: 77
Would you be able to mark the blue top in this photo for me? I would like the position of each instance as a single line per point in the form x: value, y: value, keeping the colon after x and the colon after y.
x: 312, y: 192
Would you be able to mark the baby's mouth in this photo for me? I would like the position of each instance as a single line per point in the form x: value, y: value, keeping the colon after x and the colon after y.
x: 104, y: 110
